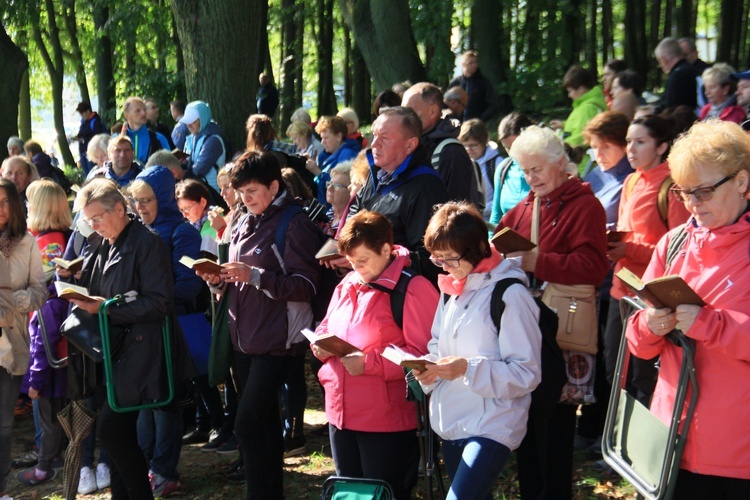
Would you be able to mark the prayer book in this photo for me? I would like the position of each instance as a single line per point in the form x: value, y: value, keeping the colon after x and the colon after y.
x: 330, y: 342
x: 667, y: 291
x: 508, y: 241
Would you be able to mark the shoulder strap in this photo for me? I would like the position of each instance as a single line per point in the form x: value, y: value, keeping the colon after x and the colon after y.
x: 662, y: 200
x: 497, y: 305
x: 504, y: 168
x: 677, y: 240
x: 281, y: 229
x: 398, y: 295
x: 439, y: 149
x: 492, y: 166
x: 630, y: 184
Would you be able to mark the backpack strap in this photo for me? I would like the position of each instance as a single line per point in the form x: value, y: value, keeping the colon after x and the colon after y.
x: 662, y: 200
x: 398, y: 294
x: 497, y: 305
x: 281, y: 229
x: 630, y: 184
x: 492, y: 166
x: 153, y: 143
x: 504, y: 168
x: 435, y: 159
x: 677, y: 240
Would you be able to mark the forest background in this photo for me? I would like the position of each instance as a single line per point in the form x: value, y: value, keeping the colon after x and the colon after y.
x: 325, y: 54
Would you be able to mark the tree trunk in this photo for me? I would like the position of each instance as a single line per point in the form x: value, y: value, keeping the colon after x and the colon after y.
x: 593, y: 47
x: 379, y: 26
x: 685, y: 20
x: 223, y: 57
x: 76, y: 55
x: 636, y: 54
x: 24, y: 108
x: 493, y: 46
x: 729, y: 34
x: 13, y: 64
x: 326, y: 95
x: 289, y: 62
x: 348, y: 70
x: 361, y: 88
x: 105, y: 78
x: 299, y: 50
x: 608, y: 50
x: 56, y: 69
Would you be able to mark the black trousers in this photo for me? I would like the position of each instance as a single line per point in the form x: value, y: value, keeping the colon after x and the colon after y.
x: 390, y: 456
x: 128, y: 467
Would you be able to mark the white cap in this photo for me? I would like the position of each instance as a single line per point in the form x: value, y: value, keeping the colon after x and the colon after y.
x: 191, y: 114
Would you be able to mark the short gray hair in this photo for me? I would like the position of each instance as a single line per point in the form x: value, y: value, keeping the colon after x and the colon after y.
x: 539, y: 141
x: 721, y: 73
x: 164, y: 158
x: 15, y: 141
x: 669, y: 47
x: 104, y: 191
x: 343, y: 168
x: 98, y: 142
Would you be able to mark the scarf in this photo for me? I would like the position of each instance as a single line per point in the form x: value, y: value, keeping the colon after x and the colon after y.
x: 449, y: 286
x: 8, y: 244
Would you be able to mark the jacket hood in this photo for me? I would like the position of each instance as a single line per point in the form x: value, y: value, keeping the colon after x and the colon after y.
x: 162, y: 183
x: 391, y: 274
x: 571, y: 189
x: 203, y: 111
x: 445, y: 128
x: 212, y: 128
x: 507, y: 268
x: 594, y: 96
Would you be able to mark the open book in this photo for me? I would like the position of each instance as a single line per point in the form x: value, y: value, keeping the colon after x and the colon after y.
x: 508, y: 241
x: 202, y: 265
x: 667, y: 291
x: 73, y: 266
x: 68, y: 291
x: 330, y: 342
x: 402, y: 358
x: 329, y: 251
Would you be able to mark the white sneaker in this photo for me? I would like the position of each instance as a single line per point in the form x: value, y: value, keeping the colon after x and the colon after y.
x: 87, y: 483
x: 6, y: 497
x: 102, y: 476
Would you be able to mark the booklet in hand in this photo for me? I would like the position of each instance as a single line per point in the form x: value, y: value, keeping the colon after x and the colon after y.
x: 617, y: 236
x: 508, y: 241
x: 73, y: 266
x: 330, y: 342
x: 329, y: 251
x: 202, y: 265
x: 667, y: 291
x: 67, y: 291
x: 402, y: 358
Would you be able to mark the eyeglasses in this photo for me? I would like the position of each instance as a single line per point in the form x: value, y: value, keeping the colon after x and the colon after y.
x: 447, y: 262
x: 95, y: 220
x: 141, y: 201
x: 472, y: 147
x: 701, y: 194
x: 334, y: 185
x: 187, y: 210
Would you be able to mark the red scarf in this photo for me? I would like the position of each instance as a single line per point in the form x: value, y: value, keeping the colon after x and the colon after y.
x: 449, y: 286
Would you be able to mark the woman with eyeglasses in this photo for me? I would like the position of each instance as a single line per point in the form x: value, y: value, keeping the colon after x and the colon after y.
x: 337, y: 194
x: 192, y: 200
x: 640, y: 215
x: 371, y: 424
x: 711, y: 168
x: 482, y: 381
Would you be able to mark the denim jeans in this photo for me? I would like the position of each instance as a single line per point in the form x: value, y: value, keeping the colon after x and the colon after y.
x: 473, y: 465
x: 160, y: 438
x: 9, y: 387
x: 89, y: 444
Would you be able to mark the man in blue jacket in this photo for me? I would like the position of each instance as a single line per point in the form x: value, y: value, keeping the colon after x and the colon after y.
x: 145, y: 142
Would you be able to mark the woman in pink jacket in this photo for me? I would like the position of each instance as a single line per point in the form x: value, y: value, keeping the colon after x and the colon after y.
x: 371, y: 423
x: 711, y: 166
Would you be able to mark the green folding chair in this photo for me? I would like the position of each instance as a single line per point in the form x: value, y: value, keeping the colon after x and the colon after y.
x: 352, y: 488
x: 107, y: 355
x: 636, y: 444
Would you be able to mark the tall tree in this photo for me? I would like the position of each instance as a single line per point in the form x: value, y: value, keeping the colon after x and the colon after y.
x: 221, y: 50
x: 730, y: 38
x: 326, y: 95
x: 383, y: 32
x: 361, y: 86
x: 53, y: 60
x: 105, y: 79
x: 636, y: 51
x: 493, y: 45
x: 76, y: 55
x: 13, y: 64
x: 289, y: 60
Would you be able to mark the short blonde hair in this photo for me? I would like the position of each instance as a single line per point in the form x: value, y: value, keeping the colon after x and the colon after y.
x: 298, y: 129
x: 102, y: 190
x: 139, y: 186
x: 716, y: 145
x: 49, y: 207
x: 349, y: 115
x: 721, y: 74
x: 539, y: 141
x: 360, y: 170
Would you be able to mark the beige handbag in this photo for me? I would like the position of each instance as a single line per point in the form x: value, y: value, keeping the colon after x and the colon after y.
x: 575, y: 306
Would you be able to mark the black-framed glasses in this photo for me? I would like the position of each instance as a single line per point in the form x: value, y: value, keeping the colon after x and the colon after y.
x: 700, y: 194
x: 454, y: 263
x: 141, y: 201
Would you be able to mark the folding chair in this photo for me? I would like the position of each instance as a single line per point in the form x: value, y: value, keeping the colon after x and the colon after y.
x: 51, y: 356
x: 352, y: 488
x: 639, y: 446
x: 107, y: 355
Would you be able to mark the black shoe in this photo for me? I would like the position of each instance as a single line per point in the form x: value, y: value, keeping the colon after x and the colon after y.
x: 28, y: 459
x: 229, y: 446
x: 195, y: 436
x: 236, y: 472
x: 216, y: 443
x: 294, y: 447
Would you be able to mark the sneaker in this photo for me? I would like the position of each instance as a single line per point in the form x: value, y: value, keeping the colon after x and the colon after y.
x: 294, y: 447
x: 195, y: 436
x: 87, y: 482
x: 217, y: 442
x: 236, y: 472
x: 230, y: 446
x: 161, y: 486
x: 6, y: 497
x: 102, y: 476
x: 33, y: 476
x: 29, y: 459
x: 23, y: 407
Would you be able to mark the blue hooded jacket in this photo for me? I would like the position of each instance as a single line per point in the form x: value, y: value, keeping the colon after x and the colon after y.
x: 206, y: 148
x: 181, y: 238
x: 348, y: 150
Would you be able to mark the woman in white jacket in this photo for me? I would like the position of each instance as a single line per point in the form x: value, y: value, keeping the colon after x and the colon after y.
x: 481, y: 384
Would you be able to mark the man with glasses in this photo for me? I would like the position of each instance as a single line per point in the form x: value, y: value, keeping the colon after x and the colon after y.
x: 121, y: 168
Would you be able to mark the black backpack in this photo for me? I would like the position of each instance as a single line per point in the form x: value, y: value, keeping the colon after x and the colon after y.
x: 398, y: 294
x: 554, y: 375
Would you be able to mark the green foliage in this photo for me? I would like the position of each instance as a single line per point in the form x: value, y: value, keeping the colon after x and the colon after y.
x: 535, y: 87
x: 74, y: 174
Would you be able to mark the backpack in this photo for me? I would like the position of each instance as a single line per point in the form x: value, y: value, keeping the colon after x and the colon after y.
x: 398, y: 294
x: 554, y: 373
x: 57, y: 175
x: 477, y: 174
x: 677, y: 240
x: 662, y: 198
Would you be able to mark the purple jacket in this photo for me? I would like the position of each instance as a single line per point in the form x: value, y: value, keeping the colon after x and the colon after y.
x: 45, y: 379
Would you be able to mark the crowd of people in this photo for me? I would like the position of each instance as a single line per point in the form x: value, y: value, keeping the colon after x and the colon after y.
x: 215, y: 356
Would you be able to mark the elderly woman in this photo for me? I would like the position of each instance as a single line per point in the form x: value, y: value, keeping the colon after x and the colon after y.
x: 722, y: 101
x: 484, y: 152
x: 509, y: 185
x: 266, y: 281
x: 305, y: 143
x: 337, y: 194
x: 479, y: 370
x: 336, y: 149
x: 352, y: 126
x: 21, y: 272
x: 205, y: 146
x: 96, y: 151
x: 377, y: 444
x: 710, y: 166
x: 627, y: 88
x: 572, y: 251
x: 21, y: 172
x: 128, y: 258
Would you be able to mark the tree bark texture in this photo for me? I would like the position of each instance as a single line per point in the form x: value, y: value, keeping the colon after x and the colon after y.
x: 223, y: 57
x: 105, y: 78
x: 13, y: 64
x: 383, y: 32
x: 491, y: 42
x: 290, y: 60
x: 326, y: 95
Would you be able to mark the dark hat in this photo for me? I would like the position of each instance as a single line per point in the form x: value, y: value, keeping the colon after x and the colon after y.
x: 83, y: 106
x: 743, y: 75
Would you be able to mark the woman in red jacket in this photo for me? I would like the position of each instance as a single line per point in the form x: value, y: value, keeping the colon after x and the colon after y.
x: 711, y: 167
x: 371, y: 423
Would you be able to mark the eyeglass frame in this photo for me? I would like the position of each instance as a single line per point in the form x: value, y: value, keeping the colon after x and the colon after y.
x: 441, y: 262
x: 188, y: 209
x: 336, y: 185
x: 141, y: 201
x: 700, y: 194
x: 97, y: 219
